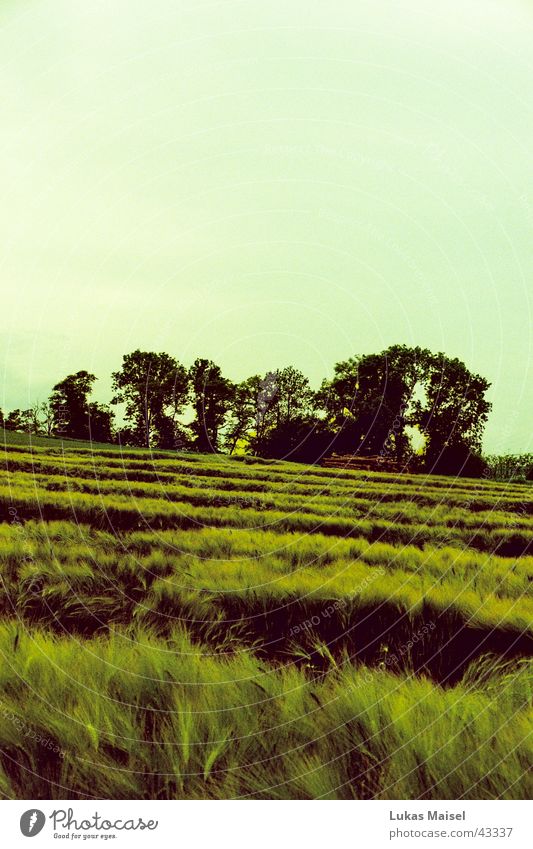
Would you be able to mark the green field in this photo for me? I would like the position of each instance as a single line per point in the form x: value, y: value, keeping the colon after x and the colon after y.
x: 196, y: 626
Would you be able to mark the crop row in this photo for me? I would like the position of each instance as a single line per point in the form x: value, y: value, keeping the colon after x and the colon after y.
x: 122, y: 512
x: 350, y: 507
x: 116, y: 718
x: 369, y: 496
x: 252, y: 468
x: 353, y: 597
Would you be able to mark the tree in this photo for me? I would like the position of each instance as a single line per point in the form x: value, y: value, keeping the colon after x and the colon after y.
x: 154, y: 389
x: 452, y: 416
x: 27, y: 421
x: 242, y: 412
x: 14, y: 420
x: 100, y: 423
x: 294, y: 396
x: 510, y: 467
x: 37, y: 419
x: 284, y: 413
x: 368, y: 402
x: 336, y: 397
x: 211, y: 395
x: 268, y: 411
x: 265, y: 411
x: 373, y: 400
x: 46, y: 418
x: 70, y: 405
x: 32, y: 420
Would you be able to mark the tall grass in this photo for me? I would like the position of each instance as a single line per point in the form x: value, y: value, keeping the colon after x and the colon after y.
x: 141, y: 720
x: 121, y: 512
x: 280, y: 594
x: 176, y: 625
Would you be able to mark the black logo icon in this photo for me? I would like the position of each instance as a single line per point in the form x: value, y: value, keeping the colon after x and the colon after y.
x: 32, y: 822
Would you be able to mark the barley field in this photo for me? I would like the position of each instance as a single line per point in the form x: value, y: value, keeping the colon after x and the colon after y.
x: 199, y: 626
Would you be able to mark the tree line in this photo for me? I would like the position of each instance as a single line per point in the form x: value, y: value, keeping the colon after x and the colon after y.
x: 406, y: 404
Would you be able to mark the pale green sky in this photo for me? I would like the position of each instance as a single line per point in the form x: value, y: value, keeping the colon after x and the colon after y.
x: 267, y: 182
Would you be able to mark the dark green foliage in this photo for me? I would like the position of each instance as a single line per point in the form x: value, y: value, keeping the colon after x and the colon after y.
x: 453, y: 416
x: 367, y: 401
x: 243, y: 412
x: 211, y: 395
x: 510, y: 467
x: 24, y: 420
x: 376, y: 405
x: 70, y: 406
x: 16, y: 420
x: 100, y: 423
x: 373, y: 399
x: 36, y: 420
x: 283, y: 417
x: 154, y: 389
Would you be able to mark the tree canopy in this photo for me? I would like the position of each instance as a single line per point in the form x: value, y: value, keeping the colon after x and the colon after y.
x: 406, y: 404
x: 154, y: 389
x: 375, y: 402
x: 211, y: 395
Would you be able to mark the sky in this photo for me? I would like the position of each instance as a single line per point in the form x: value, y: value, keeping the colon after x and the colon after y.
x: 265, y: 183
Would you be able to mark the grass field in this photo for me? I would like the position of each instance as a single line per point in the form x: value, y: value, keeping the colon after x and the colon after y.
x: 177, y: 625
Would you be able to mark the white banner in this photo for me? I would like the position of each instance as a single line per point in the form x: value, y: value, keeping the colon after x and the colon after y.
x: 263, y: 825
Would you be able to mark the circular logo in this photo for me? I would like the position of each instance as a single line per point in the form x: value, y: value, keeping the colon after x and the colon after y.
x: 32, y: 822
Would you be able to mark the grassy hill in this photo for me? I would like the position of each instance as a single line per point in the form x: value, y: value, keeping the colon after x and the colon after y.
x: 179, y: 625
x: 28, y: 440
